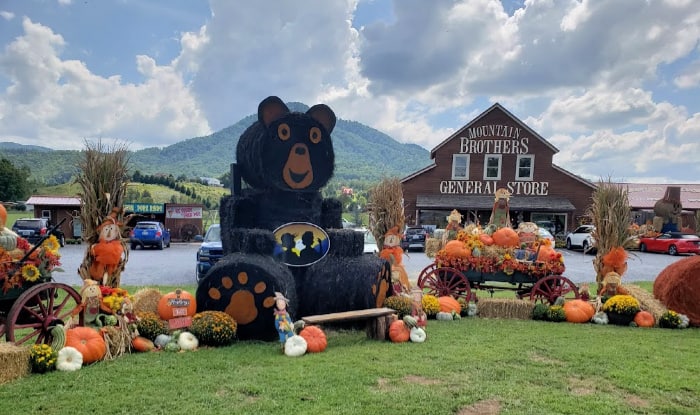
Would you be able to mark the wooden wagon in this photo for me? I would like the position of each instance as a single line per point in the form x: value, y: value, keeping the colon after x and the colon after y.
x: 538, y: 281
x: 30, y: 309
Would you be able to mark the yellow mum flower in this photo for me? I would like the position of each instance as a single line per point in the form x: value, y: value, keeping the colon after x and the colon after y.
x: 30, y: 273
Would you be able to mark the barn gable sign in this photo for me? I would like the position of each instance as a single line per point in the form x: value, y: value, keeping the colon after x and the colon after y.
x: 505, y: 141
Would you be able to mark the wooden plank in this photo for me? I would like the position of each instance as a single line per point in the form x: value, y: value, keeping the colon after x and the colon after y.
x: 349, y: 315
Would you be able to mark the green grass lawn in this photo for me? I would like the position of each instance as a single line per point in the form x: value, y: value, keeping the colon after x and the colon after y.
x: 469, y: 366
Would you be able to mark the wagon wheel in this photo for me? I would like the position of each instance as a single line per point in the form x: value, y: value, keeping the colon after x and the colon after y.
x: 547, y: 289
x: 427, y: 270
x: 38, y: 309
x: 446, y: 281
x: 188, y: 231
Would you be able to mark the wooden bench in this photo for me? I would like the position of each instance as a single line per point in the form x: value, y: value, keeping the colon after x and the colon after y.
x: 378, y: 320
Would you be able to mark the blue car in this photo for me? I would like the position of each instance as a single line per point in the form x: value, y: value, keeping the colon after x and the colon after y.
x: 149, y: 234
x: 210, y: 251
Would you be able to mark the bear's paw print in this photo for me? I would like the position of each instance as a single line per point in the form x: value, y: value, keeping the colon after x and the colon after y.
x: 243, y: 296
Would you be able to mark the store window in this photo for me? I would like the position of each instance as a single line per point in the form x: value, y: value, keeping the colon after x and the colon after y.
x: 526, y: 167
x: 460, y: 167
x: 492, y: 167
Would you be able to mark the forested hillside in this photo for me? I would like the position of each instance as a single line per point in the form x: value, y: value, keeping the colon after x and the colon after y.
x: 363, y: 155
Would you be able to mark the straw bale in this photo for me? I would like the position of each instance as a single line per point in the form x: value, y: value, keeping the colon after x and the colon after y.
x: 432, y: 246
x: 505, y: 308
x: 647, y: 301
x: 146, y: 299
x: 14, y: 362
x: 678, y: 288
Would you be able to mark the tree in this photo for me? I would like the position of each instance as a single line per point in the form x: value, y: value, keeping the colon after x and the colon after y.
x: 13, y: 181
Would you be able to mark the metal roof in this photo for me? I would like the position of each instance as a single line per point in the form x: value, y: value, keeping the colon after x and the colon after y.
x: 54, y: 201
x: 539, y: 203
x: 644, y: 196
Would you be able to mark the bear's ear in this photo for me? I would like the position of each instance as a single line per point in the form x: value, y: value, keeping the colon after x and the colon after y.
x: 324, y: 115
x: 270, y: 109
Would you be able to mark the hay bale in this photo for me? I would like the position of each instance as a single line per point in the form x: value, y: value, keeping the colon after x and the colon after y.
x: 146, y: 299
x: 647, y: 301
x: 14, y: 362
x: 432, y: 246
x: 505, y: 308
x: 346, y: 243
x: 678, y: 288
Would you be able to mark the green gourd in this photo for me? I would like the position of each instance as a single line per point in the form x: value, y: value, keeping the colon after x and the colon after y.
x: 58, y: 334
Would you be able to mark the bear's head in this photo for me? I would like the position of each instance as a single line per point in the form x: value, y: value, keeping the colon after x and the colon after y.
x: 286, y: 150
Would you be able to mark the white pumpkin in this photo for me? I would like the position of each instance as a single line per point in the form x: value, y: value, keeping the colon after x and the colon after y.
x: 162, y: 340
x: 187, y: 341
x: 295, y: 346
x: 69, y: 359
x: 417, y: 335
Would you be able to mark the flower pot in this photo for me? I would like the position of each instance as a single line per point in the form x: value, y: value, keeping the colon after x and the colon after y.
x: 620, y: 319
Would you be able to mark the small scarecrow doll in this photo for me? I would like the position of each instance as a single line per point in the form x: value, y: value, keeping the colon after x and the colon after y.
x: 283, y: 321
x: 392, y: 252
x: 500, y: 214
x: 108, y: 251
x: 454, y: 225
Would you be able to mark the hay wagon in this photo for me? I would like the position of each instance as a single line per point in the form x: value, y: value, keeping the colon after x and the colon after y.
x: 533, y: 280
x: 29, y: 311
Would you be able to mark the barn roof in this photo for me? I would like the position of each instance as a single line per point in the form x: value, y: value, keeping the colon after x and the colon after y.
x: 644, y: 196
x: 54, y: 201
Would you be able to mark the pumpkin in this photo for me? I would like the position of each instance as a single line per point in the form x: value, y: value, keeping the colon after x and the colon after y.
x: 448, y: 304
x: 486, y: 239
x: 89, y: 342
x: 644, y: 319
x: 295, y: 346
x: 506, y: 237
x: 178, y: 303
x: 315, y: 339
x: 142, y: 344
x: 456, y: 248
x: 187, y: 341
x: 578, y: 311
x: 417, y: 335
x: 399, y: 332
x: 69, y: 359
x: 546, y: 253
x: 444, y: 316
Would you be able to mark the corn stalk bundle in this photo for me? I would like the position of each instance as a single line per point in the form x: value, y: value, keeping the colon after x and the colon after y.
x: 647, y: 301
x: 385, y: 206
x: 610, y: 212
x: 505, y: 308
x: 103, y: 176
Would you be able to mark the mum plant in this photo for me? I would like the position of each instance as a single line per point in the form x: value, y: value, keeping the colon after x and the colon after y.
x: 622, y: 304
x: 42, y: 358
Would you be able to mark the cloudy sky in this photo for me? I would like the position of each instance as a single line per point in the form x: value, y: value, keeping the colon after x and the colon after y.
x: 613, y: 84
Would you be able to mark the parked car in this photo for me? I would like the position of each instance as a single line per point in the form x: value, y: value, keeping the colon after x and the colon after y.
x: 370, y: 244
x: 672, y: 242
x: 581, y: 238
x: 414, y: 238
x: 33, y: 229
x: 147, y: 233
x: 543, y: 233
x: 210, y: 251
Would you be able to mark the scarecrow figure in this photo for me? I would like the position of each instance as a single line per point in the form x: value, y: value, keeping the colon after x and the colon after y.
x: 500, y: 214
x: 283, y: 321
x: 392, y: 252
x: 454, y: 225
x: 108, y: 251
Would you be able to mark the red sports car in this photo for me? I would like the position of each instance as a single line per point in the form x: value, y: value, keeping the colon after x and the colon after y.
x: 672, y: 242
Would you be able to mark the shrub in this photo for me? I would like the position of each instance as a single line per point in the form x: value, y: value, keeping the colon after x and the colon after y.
x: 556, y: 313
x: 540, y: 311
x: 431, y: 305
x: 150, y: 325
x: 400, y: 303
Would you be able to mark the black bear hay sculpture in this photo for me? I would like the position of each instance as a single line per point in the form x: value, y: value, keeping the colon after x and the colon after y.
x: 286, y: 158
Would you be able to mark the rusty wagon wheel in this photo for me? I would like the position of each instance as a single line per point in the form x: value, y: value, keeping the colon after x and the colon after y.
x: 38, y: 309
x: 547, y: 289
x: 445, y: 281
x: 425, y: 271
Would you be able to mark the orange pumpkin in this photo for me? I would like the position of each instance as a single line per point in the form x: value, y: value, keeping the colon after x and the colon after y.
x: 142, y: 344
x: 506, y: 237
x: 644, y: 319
x: 399, y: 332
x: 88, y: 341
x: 578, y: 311
x: 449, y: 304
x: 316, y: 341
x: 178, y: 303
x: 545, y: 253
x: 456, y: 248
x: 486, y: 239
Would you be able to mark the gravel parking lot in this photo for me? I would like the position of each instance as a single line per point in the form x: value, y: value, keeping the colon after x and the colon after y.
x: 176, y: 265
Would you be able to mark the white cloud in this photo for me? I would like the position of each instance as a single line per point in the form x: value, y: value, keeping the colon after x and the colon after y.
x: 7, y: 15
x: 690, y: 77
x: 60, y: 103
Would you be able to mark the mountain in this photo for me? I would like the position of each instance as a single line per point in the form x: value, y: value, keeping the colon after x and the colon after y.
x: 361, y: 154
